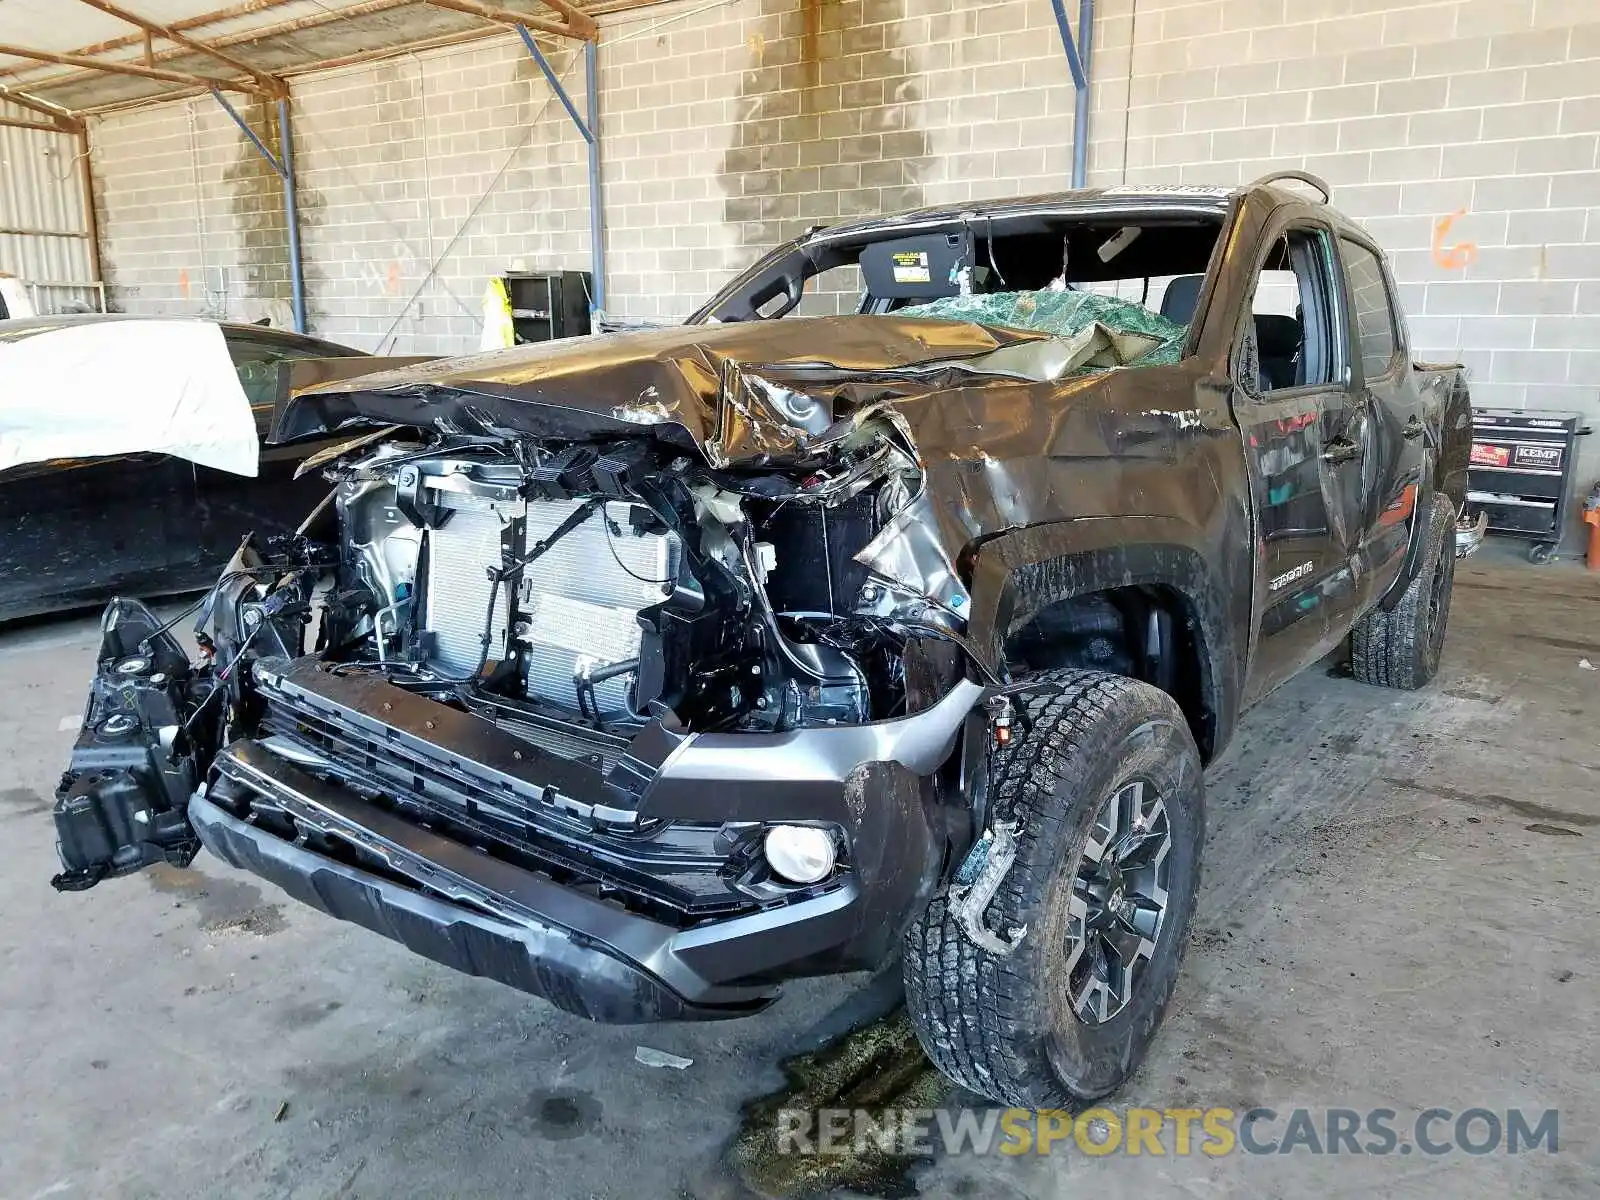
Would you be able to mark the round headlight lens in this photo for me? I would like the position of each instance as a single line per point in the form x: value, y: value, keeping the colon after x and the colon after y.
x: 800, y: 853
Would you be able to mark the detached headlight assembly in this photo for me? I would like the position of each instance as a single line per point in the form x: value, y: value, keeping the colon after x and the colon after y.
x: 800, y: 853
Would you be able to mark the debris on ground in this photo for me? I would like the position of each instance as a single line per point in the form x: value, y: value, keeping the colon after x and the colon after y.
x: 877, y: 1070
x: 647, y: 1057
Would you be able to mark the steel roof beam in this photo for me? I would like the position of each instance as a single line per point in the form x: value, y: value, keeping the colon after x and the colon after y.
x: 577, y: 24
x: 128, y: 68
x: 268, y: 82
x: 42, y: 126
x: 244, y: 38
x: 63, y: 118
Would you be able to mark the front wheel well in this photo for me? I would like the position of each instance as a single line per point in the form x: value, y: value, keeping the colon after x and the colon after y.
x: 1144, y: 631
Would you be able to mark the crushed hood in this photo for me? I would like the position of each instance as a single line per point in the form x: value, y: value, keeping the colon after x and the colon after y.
x: 747, y: 392
x: 1002, y: 437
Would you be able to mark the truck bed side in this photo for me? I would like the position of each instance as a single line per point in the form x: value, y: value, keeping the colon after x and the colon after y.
x: 1448, y: 407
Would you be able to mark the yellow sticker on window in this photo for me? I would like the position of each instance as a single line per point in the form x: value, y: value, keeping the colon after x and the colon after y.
x: 911, y: 266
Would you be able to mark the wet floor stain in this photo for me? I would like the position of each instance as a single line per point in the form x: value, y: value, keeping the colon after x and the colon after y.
x: 304, y: 1016
x: 223, y: 905
x: 1558, y: 642
x: 562, y: 1115
x: 1344, y: 743
x: 21, y: 802
x: 1523, y: 808
x: 873, y: 1069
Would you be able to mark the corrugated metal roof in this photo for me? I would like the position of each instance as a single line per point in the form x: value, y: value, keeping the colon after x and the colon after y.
x: 275, y: 36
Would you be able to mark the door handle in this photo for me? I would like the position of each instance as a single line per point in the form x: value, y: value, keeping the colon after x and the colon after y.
x: 1340, y: 451
x: 1413, y: 429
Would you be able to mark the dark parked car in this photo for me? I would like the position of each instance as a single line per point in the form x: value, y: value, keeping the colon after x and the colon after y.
x: 76, y: 531
x: 659, y: 668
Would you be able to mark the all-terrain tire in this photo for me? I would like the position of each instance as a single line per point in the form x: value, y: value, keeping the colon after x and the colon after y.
x: 1400, y: 648
x: 1004, y: 1025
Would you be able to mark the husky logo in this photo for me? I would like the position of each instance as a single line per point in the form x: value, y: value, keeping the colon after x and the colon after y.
x: 1280, y: 582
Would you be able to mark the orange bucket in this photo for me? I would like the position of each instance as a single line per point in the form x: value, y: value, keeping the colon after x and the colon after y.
x: 1591, y: 514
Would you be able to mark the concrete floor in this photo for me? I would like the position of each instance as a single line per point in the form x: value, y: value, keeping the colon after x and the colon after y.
x: 1399, y: 910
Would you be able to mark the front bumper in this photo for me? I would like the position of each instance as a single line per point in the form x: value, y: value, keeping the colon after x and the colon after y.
x: 583, y: 957
x: 292, y: 820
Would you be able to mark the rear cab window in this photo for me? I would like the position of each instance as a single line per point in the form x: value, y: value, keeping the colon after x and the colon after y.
x: 1292, y: 337
x: 1372, y: 310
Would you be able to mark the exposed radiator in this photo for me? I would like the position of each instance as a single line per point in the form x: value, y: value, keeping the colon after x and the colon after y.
x: 460, y: 554
x: 576, y: 604
x: 580, y: 606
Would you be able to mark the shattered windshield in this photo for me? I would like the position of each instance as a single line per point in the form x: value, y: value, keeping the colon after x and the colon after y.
x: 1115, y: 332
x: 1110, y: 289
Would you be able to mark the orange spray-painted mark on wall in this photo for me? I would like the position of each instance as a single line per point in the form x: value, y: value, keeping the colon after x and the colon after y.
x: 1452, y: 257
x: 183, y: 283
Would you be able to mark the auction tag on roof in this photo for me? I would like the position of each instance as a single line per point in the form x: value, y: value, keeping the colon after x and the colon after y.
x: 911, y: 266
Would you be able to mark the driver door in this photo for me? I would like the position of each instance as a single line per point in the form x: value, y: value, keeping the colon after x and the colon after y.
x: 1302, y: 424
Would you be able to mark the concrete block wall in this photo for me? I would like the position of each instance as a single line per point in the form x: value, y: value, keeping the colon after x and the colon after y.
x: 1463, y: 132
x: 424, y: 175
x: 419, y: 176
x: 728, y: 131
x: 191, y: 216
x: 724, y: 130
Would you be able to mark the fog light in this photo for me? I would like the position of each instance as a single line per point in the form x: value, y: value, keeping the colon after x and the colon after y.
x: 800, y: 853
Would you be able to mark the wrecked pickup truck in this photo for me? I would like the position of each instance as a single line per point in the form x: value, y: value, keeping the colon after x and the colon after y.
x: 646, y: 672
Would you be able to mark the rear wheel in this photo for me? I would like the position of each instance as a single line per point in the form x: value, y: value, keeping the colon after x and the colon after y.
x: 1401, y: 648
x: 1106, y: 795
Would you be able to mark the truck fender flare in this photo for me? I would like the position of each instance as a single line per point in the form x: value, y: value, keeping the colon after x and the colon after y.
x: 1016, y: 575
x: 1417, y: 547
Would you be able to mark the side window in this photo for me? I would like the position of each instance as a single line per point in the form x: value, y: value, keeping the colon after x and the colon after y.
x: 835, y: 292
x: 1372, y: 309
x: 1292, y: 315
x: 257, y: 365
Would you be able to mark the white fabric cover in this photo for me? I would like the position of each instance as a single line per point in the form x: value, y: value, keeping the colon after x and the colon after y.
x: 125, y: 387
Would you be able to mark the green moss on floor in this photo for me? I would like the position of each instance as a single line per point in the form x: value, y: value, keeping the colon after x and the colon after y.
x: 876, y: 1068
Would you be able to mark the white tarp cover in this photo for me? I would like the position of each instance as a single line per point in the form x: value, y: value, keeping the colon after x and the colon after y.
x: 125, y: 387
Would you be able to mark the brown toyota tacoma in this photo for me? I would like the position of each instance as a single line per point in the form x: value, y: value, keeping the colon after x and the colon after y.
x: 645, y: 672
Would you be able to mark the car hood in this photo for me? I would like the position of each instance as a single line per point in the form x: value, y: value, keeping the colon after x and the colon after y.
x: 1003, y: 425
x: 765, y: 391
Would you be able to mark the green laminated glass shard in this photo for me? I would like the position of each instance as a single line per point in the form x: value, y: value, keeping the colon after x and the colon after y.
x: 1134, y: 334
